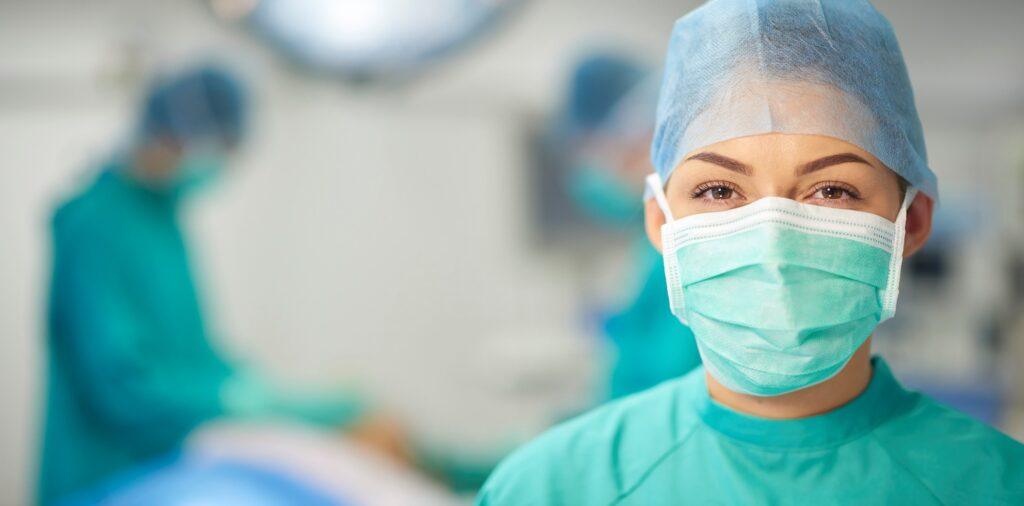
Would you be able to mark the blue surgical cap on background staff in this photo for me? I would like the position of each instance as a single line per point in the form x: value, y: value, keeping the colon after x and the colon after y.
x: 206, y: 103
x: 598, y: 83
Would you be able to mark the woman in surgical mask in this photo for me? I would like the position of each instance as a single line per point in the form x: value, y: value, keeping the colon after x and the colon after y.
x: 791, y: 182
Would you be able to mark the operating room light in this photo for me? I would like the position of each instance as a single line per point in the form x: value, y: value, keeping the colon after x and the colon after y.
x: 368, y: 37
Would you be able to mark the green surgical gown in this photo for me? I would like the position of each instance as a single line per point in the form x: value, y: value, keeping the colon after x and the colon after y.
x: 674, y: 445
x: 650, y: 344
x: 131, y: 368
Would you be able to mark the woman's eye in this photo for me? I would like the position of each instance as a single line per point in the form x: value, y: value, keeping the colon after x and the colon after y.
x: 832, y: 193
x: 716, y: 193
x: 721, y: 193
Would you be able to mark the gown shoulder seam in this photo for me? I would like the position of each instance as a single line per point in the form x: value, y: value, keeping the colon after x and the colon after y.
x: 904, y: 467
x: 654, y: 465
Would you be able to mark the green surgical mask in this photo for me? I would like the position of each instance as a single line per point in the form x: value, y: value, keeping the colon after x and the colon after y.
x: 197, y: 170
x: 781, y: 294
x: 605, y: 197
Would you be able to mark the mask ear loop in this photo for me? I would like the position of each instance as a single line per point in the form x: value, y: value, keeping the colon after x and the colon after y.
x: 675, y: 291
x: 892, y: 289
x: 657, y: 189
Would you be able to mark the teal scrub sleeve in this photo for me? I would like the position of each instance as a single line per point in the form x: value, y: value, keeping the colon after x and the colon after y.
x: 247, y: 394
x: 130, y: 388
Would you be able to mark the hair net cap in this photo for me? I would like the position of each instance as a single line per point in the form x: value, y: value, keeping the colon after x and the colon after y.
x: 630, y: 118
x: 827, y: 67
x: 208, y: 102
x: 598, y: 83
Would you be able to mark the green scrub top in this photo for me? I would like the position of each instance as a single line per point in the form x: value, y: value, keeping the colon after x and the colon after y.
x: 674, y: 445
x: 131, y: 368
x: 651, y: 346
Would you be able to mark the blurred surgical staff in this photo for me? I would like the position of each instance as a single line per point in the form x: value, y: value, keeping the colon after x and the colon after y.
x: 606, y: 124
x: 131, y: 366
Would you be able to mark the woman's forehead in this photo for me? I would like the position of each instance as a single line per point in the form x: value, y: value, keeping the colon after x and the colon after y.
x: 784, y: 146
x: 789, y: 155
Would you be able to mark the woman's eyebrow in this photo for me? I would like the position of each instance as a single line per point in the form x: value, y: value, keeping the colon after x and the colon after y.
x: 722, y: 161
x: 829, y: 161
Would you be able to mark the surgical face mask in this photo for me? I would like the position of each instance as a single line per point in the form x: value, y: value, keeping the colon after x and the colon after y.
x: 781, y: 294
x: 198, y: 169
x: 604, y: 197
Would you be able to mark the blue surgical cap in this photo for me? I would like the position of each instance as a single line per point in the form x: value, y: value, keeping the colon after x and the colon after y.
x: 207, y: 102
x: 629, y: 119
x: 598, y: 83
x: 826, y: 67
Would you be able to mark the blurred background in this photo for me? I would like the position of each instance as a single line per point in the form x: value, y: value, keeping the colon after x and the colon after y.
x: 400, y: 218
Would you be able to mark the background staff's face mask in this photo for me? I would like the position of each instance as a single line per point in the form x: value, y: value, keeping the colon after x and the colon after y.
x: 604, y: 196
x: 199, y: 168
x: 780, y: 294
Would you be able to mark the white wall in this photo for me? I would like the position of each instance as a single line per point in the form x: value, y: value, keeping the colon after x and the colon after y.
x: 381, y: 236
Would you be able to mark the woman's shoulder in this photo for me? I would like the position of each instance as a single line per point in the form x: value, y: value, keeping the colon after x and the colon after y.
x: 596, y: 457
x: 955, y: 454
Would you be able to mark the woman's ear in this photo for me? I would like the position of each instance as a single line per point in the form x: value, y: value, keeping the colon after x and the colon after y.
x: 919, y: 224
x: 653, y: 220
